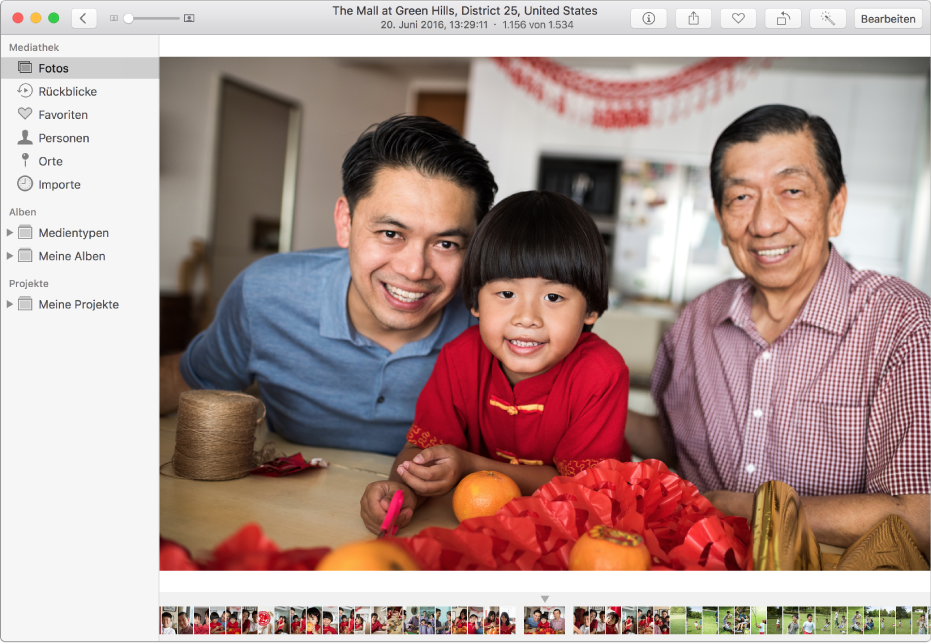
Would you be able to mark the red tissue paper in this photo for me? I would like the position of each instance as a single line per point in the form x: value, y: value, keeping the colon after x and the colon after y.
x: 248, y: 549
x: 680, y: 527
x: 288, y: 465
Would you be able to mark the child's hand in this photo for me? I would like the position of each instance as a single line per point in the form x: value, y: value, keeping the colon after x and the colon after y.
x: 377, y: 498
x: 436, y: 470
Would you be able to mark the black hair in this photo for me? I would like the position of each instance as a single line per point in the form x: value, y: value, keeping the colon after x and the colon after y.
x: 328, y: 615
x: 505, y: 618
x: 419, y: 143
x: 214, y: 615
x: 538, y: 234
x: 166, y: 614
x: 234, y: 615
x: 314, y: 612
x: 779, y: 119
x: 198, y: 616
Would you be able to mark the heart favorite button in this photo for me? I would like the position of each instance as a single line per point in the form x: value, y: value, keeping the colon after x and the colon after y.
x: 25, y: 112
x: 738, y: 17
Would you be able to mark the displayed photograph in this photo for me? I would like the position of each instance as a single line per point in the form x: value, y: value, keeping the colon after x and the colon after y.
x: 314, y: 620
x: 855, y: 617
x: 661, y: 620
x: 329, y: 620
x: 694, y: 622
x: 443, y: 620
x: 774, y: 623
x: 709, y: 621
x: 742, y: 620
x: 287, y: 230
x: 677, y: 620
x: 184, y: 620
x: 508, y: 621
x: 395, y: 623
x: 461, y: 623
x: 539, y: 620
x: 169, y: 621
x: 427, y: 620
x: 218, y: 619
x: 233, y: 623
x: 903, y: 620
x: 362, y: 620
x: 629, y: 620
x: 613, y: 622
x: 379, y: 620
x: 261, y: 620
x: 838, y: 620
x: 790, y: 623
x: 920, y: 620
x: 346, y: 620
x: 727, y: 618
x: 200, y: 620
x: 758, y: 620
x: 822, y: 618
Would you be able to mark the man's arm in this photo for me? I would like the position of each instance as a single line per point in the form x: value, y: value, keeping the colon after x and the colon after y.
x: 170, y: 383
x: 841, y: 520
x: 645, y: 439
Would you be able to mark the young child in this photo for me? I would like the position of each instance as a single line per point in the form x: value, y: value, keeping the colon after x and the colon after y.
x: 529, y: 392
x: 827, y: 625
x: 232, y: 624
x: 166, y: 624
x: 216, y: 627
x: 327, y: 620
x: 611, y: 623
x: 473, y: 619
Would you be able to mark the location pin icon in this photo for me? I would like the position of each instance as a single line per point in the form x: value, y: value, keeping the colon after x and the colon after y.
x: 25, y: 158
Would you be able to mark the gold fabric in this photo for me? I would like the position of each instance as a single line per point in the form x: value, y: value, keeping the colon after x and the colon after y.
x: 783, y: 540
x: 889, y: 545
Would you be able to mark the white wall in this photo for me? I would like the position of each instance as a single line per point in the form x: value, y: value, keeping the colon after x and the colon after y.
x: 877, y: 119
x: 338, y: 101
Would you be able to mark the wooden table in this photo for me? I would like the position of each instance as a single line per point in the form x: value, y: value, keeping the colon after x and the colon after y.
x: 313, y: 508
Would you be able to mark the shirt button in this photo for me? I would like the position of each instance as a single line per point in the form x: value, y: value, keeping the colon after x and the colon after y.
x: 757, y: 413
x: 380, y: 399
x: 750, y: 468
x: 767, y: 355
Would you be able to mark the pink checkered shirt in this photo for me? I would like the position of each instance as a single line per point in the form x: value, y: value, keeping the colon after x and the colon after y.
x: 840, y: 403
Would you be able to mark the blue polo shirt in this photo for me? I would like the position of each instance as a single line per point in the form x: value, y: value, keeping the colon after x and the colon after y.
x: 283, y: 323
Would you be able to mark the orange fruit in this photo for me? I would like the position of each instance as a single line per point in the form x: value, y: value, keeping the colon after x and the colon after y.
x: 374, y: 554
x: 604, y: 548
x: 482, y: 494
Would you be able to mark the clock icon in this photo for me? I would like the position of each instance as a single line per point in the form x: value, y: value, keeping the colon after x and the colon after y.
x: 24, y: 183
x: 25, y: 90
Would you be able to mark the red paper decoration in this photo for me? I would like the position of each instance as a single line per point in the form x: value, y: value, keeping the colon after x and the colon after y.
x: 613, y: 104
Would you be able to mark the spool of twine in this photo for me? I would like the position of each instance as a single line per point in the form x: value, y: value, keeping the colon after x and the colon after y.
x: 216, y: 435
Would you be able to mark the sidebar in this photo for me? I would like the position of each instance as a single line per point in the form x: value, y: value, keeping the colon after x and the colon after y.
x: 79, y: 197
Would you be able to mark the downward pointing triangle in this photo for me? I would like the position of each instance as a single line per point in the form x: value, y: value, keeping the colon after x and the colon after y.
x: 8, y: 232
x: 545, y: 597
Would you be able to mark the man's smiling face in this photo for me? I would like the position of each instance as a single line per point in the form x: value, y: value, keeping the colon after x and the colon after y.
x: 776, y: 212
x: 406, y: 243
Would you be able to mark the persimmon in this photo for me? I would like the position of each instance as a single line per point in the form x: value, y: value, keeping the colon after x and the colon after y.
x: 482, y: 494
x: 374, y: 554
x: 604, y: 548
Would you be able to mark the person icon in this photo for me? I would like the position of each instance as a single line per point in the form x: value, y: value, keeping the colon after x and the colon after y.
x: 25, y: 140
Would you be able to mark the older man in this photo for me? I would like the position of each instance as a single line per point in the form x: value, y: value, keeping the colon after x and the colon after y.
x: 807, y: 371
x: 342, y: 340
x: 184, y: 625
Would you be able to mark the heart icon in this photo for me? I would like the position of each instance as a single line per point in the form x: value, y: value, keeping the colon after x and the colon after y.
x: 738, y: 17
x: 25, y: 112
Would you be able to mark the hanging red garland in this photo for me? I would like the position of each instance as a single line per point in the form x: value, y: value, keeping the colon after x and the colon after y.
x: 614, y: 104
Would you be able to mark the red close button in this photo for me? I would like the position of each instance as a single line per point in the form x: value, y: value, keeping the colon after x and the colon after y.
x: 17, y: 17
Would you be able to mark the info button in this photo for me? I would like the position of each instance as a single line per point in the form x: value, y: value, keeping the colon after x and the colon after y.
x: 888, y: 19
x: 648, y: 18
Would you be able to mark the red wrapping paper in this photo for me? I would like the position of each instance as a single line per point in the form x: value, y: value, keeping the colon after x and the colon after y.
x: 679, y: 526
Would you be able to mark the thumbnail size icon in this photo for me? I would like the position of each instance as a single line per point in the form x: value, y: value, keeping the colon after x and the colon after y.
x: 25, y: 90
x: 24, y: 183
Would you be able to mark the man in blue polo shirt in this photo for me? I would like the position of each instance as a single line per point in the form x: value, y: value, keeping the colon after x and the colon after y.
x: 342, y: 340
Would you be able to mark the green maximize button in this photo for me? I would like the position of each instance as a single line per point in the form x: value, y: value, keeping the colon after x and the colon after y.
x: 53, y: 17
